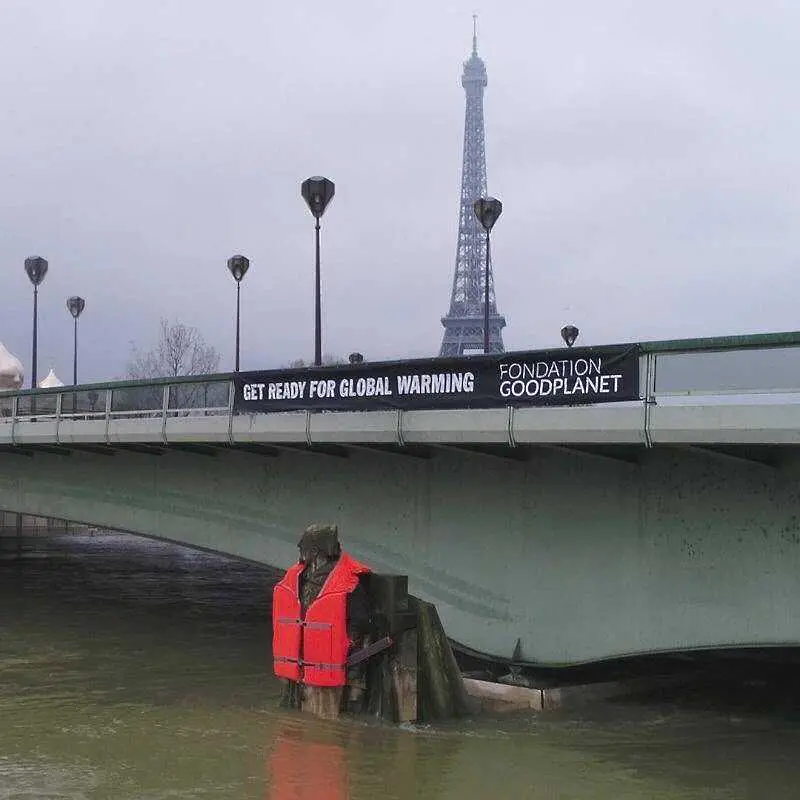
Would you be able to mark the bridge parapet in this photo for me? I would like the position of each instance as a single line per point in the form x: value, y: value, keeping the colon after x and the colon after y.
x: 735, y: 390
x: 67, y: 416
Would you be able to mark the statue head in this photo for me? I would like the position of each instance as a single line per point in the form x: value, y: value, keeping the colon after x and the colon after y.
x: 319, y: 542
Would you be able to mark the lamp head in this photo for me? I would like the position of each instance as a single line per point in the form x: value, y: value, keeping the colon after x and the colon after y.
x: 36, y: 267
x: 317, y: 192
x: 238, y: 266
x: 75, y: 305
x: 569, y: 333
x: 488, y: 211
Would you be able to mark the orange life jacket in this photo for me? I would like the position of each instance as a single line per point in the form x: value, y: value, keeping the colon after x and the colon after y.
x: 313, y: 650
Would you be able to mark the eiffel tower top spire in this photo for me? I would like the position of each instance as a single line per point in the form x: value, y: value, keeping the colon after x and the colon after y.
x: 463, y: 324
x: 474, y: 68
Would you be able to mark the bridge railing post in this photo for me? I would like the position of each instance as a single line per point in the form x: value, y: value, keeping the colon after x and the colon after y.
x: 651, y: 360
x: 14, y: 400
x: 231, y: 399
x: 164, y: 412
x: 59, y: 404
x: 109, y: 400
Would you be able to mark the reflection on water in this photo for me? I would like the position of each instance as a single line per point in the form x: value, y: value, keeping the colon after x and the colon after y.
x: 135, y: 669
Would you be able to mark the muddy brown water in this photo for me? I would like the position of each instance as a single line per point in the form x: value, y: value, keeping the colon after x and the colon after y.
x: 132, y: 668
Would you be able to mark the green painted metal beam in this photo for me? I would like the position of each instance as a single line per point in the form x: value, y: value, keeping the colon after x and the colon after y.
x: 709, y: 343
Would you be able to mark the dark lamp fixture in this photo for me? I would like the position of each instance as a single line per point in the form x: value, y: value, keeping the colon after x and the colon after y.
x: 488, y: 211
x: 569, y: 333
x: 317, y: 192
x: 75, y: 306
x: 238, y: 266
x: 36, y: 267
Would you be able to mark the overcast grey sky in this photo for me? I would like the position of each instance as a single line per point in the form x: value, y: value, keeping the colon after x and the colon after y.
x: 647, y: 155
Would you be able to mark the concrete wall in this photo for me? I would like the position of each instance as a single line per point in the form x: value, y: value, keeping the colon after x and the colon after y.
x: 579, y: 557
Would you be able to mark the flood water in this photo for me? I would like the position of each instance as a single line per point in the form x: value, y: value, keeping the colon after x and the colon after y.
x: 131, y: 668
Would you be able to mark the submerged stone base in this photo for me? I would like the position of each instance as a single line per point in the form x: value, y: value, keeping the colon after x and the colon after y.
x: 492, y: 698
x: 489, y: 697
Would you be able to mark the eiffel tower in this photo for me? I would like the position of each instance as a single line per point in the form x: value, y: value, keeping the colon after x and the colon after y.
x: 463, y: 324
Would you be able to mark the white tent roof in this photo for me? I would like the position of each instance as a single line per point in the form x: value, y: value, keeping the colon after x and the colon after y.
x: 50, y: 381
x: 11, y: 376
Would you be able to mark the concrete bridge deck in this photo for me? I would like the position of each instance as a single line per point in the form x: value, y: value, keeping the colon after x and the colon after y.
x: 569, y: 534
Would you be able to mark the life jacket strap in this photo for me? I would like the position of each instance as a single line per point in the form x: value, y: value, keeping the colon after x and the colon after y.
x: 314, y: 664
x: 303, y: 624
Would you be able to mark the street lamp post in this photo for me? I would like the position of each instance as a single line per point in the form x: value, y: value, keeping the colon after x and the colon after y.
x: 317, y: 192
x: 569, y: 333
x: 36, y: 267
x: 487, y: 210
x: 75, y: 306
x: 238, y: 266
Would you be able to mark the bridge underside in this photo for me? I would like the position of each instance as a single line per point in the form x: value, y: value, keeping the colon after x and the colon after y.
x: 573, y: 554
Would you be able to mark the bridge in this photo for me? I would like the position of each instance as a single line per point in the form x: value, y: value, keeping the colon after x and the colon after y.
x: 548, y: 521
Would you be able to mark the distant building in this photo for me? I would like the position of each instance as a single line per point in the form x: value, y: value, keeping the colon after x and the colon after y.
x: 50, y: 381
x: 11, y: 374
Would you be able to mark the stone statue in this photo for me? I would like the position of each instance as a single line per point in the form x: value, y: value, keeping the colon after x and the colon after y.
x: 320, y: 555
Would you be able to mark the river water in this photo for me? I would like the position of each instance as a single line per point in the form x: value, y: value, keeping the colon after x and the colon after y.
x: 131, y: 668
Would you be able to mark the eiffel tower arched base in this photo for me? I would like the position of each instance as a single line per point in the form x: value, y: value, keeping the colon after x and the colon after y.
x: 464, y: 335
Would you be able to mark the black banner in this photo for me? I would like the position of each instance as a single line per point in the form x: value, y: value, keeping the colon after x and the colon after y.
x: 543, y: 378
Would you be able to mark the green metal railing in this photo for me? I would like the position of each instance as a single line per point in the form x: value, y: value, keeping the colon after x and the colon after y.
x: 723, y: 366
x: 161, y: 398
x: 716, y: 344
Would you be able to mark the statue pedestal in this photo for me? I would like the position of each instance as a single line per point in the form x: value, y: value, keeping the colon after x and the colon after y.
x: 322, y: 701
